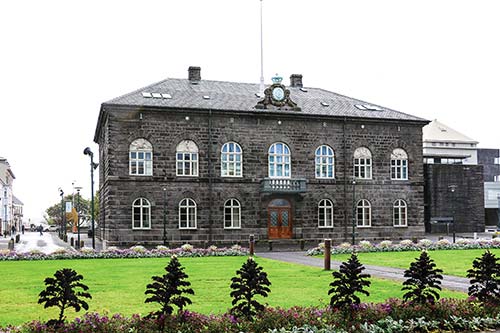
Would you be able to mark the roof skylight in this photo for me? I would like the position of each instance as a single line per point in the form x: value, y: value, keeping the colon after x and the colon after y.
x: 146, y: 95
x: 156, y: 95
x: 303, y: 89
x: 206, y: 97
x: 166, y: 96
x: 325, y: 104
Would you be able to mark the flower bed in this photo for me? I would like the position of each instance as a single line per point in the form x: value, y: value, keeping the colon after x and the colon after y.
x: 392, y: 316
x: 409, y: 245
x: 138, y: 251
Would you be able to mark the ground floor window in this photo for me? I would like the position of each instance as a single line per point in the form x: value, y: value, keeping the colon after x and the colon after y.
x: 399, y: 213
x: 363, y: 213
x: 232, y: 214
x: 187, y: 214
x: 141, y: 214
x: 325, y: 214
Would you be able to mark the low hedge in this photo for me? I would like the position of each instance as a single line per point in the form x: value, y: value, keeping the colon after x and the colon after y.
x: 392, y: 316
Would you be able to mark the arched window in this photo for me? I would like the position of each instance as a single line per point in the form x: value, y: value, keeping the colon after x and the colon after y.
x: 324, y: 162
x: 187, y: 214
x: 279, y: 161
x: 363, y: 213
x: 187, y: 158
x: 231, y: 160
x: 362, y: 163
x: 325, y: 214
x: 399, y: 213
x: 399, y: 164
x: 141, y: 214
x: 141, y: 158
x: 232, y: 214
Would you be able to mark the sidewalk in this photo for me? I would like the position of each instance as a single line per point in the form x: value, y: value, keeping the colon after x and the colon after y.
x: 448, y: 282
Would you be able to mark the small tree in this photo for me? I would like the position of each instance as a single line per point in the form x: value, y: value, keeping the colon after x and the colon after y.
x: 347, y: 282
x: 250, y: 282
x: 423, y: 279
x: 168, y: 289
x: 485, y: 278
x: 61, y: 292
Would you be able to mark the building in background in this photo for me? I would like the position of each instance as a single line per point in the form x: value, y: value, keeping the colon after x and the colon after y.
x: 453, y: 180
x: 17, y: 212
x: 490, y: 160
x: 214, y: 162
x: 6, y: 197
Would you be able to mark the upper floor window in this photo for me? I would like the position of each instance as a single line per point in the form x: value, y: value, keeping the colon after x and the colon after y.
x: 187, y: 214
x: 364, y: 213
x: 187, y: 158
x: 496, y: 178
x: 399, y: 164
x: 325, y: 214
x: 279, y: 161
x: 399, y: 213
x: 324, y: 162
x: 231, y: 160
x: 497, y: 160
x: 141, y: 214
x: 141, y: 157
x: 362, y: 163
x: 232, y: 214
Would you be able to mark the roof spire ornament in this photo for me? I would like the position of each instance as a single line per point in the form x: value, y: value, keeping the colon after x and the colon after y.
x: 277, y: 97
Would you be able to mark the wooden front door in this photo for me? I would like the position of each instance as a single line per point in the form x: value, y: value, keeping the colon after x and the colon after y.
x: 280, y: 219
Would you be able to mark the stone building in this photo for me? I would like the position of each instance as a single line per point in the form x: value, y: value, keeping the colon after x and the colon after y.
x: 490, y: 160
x: 6, y: 196
x: 210, y: 162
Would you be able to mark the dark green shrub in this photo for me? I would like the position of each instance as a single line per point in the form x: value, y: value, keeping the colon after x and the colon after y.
x: 423, y: 279
x: 347, y: 282
x: 250, y: 282
x: 62, y: 292
x: 485, y: 278
x: 168, y: 289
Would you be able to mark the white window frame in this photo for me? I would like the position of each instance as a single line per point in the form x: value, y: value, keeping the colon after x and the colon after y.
x: 496, y: 178
x: 187, y: 159
x: 496, y: 161
x: 366, y: 209
x: 188, y: 206
x: 231, y: 160
x: 277, y: 161
x: 400, y: 209
x: 141, y: 147
x: 234, y: 206
x: 362, y: 163
x: 399, y: 164
x: 325, y: 206
x: 141, y: 204
x: 324, y: 158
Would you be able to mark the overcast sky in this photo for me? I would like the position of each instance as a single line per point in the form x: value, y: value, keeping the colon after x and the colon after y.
x: 59, y: 60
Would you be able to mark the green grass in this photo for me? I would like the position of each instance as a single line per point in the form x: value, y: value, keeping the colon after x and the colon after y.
x: 118, y: 285
x: 452, y: 262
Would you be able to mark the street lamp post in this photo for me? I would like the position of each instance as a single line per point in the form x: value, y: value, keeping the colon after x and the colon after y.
x: 165, y: 216
x: 353, y: 212
x: 453, y: 188
x: 61, y: 230
x: 93, y: 166
x: 78, y: 188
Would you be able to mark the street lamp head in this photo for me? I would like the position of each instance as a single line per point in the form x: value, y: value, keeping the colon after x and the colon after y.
x: 87, y: 151
x: 95, y: 165
x: 61, y: 192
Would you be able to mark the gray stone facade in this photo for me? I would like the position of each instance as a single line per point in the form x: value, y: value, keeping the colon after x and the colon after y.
x: 120, y: 123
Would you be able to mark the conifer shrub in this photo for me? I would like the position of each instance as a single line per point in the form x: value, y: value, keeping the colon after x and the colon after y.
x: 64, y: 291
x: 169, y: 289
x: 423, y: 279
x: 485, y: 279
x: 251, y: 281
x: 348, y: 281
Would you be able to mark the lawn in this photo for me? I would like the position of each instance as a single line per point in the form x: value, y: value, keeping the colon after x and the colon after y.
x: 118, y: 285
x: 452, y: 262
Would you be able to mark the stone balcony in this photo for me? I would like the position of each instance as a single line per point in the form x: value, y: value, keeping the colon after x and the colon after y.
x: 283, y: 185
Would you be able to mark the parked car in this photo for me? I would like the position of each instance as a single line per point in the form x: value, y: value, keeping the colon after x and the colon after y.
x: 53, y: 228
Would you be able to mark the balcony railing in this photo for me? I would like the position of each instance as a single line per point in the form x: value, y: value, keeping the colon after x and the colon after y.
x: 283, y: 185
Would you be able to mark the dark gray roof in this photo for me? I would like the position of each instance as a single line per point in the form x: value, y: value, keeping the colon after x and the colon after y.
x: 235, y: 96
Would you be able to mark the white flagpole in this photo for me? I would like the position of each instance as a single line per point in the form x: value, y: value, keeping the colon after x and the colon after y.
x: 261, y: 92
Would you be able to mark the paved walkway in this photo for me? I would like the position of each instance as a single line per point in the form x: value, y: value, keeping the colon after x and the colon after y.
x: 448, y: 282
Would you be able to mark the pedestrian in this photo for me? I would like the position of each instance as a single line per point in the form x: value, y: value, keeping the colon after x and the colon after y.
x: 22, y: 229
x: 40, y: 228
x: 13, y: 230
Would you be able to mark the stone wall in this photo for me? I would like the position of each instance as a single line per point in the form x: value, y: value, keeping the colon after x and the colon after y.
x: 166, y: 128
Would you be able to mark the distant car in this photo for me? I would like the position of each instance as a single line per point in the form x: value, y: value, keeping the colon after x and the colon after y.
x: 52, y: 228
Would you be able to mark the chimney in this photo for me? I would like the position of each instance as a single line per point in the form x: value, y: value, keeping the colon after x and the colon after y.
x: 194, y: 74
x: 296, y: 80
